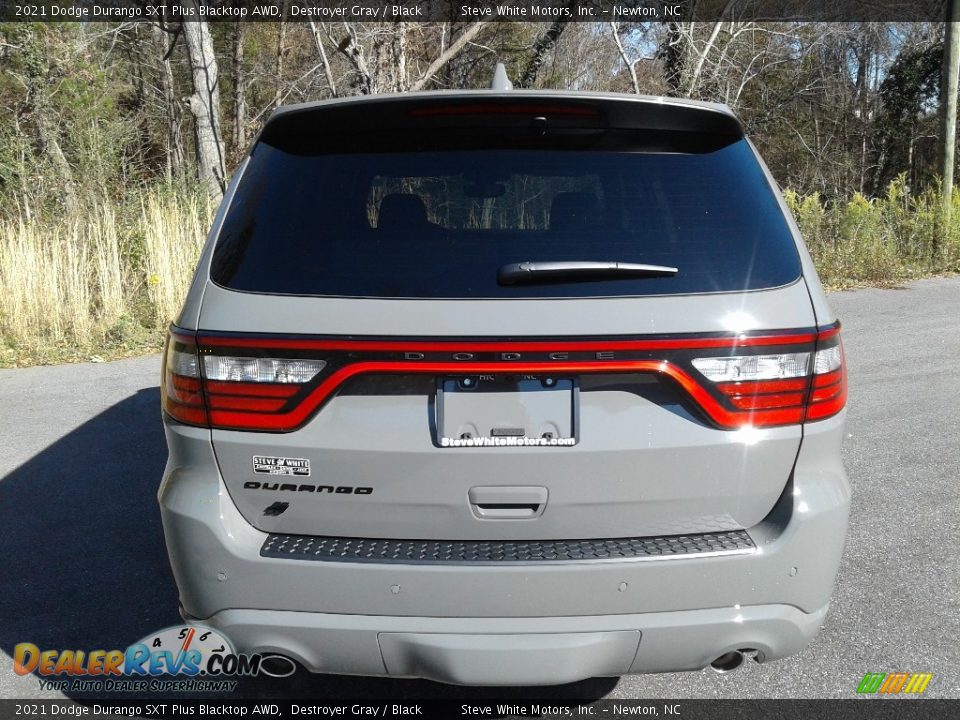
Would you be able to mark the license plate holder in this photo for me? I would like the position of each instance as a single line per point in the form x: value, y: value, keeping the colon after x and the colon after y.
x: 506, y: 411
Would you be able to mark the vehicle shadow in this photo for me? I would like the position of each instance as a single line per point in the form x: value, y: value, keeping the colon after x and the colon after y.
x: 84, y: 564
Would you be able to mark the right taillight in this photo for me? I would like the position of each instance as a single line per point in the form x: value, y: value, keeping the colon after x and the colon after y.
x: 828, y: 390
x: 769, y: 389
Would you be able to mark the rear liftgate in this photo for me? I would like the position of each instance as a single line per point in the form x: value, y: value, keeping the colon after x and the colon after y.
x: 489, y: 451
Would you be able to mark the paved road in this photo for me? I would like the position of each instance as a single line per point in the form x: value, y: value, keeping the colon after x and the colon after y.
x: 82, y: 563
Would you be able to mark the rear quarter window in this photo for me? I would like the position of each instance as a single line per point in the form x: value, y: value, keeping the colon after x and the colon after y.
x: 440, y: 223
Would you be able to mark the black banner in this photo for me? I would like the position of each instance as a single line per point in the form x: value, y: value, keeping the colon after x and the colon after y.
x: 892, y: 708
x: 174, y: 11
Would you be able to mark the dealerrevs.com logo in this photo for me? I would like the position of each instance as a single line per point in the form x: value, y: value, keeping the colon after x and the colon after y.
x: 179, y: 658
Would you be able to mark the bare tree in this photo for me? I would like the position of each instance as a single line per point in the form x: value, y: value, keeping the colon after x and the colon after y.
x: 163, y: 43
x: 380, y: 54
x: 703, y: 52
x: 281, y: 54
x: 204, y: 105
x: 631, y: 65
x: 538, y: 53
x: 447, y: 55
x: 324, y: 61
x: 38, y: 106
x: 355, y: 54
x: 239, y: 90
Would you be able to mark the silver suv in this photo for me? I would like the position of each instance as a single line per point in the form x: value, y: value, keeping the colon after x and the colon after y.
x: 505, y: 387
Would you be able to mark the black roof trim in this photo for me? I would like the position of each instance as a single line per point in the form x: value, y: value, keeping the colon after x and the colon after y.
x: 521, y: 109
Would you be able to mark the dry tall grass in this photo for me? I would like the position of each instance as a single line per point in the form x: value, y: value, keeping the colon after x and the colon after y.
x: 82, y: 285
x: 173, y: 236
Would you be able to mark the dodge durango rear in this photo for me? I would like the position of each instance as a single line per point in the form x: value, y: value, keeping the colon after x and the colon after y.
x: 505, y: 387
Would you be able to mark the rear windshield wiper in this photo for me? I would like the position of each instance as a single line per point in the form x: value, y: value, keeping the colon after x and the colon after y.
x: 573, y: 270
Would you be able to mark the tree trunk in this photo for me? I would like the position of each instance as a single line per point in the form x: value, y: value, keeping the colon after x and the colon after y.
x: 538, y: 53
x: 910, y: 173
x: 693, y: 86
x: 951, y: 71
x: 205, y: 105
x: 354, y: 53
x: 239, y: 91
x: 673, y: 52
x: 447, y: 55
x: 315, y: 31
x: 174, y: 149
x: 44, y: 115
x: 631, y: 65
x: 49, y: 142
x: 281, y: 52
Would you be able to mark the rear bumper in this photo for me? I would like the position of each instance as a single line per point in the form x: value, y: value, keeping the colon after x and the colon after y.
x: 518, y: 651
x: 334, y: 616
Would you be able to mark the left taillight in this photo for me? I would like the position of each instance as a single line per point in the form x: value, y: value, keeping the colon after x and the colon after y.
x: 182, y: 385
x: 239, y: 392
x: 255, y: 393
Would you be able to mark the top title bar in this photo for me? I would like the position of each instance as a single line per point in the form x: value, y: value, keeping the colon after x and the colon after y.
x: 176, y: 11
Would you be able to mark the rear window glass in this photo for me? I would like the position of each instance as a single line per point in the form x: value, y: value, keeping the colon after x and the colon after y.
x: 439, y: 224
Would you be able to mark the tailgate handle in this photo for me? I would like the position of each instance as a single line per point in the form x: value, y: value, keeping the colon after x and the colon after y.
x: 507, y: 502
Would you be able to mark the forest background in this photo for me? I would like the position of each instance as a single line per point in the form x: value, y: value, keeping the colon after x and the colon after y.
x: 117, y: 140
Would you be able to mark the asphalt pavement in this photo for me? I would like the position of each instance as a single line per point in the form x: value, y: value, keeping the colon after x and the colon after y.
x: 83, y: 565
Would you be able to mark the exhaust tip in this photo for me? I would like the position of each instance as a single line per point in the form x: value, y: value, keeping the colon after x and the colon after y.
x: 277, y: 666
x: 728, y: 662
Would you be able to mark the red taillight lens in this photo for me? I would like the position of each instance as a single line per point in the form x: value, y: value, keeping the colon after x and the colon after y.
x: 506, y: 109
x: 203, y: 387
x: 181, y: 390
x: 766, y: 390
x: 253, y: 392
x: 828, y: 393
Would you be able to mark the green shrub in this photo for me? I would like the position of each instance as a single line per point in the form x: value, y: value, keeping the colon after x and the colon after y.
x: 878, y: 241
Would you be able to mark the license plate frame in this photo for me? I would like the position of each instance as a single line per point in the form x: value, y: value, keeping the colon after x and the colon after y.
x: 506, y: 411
